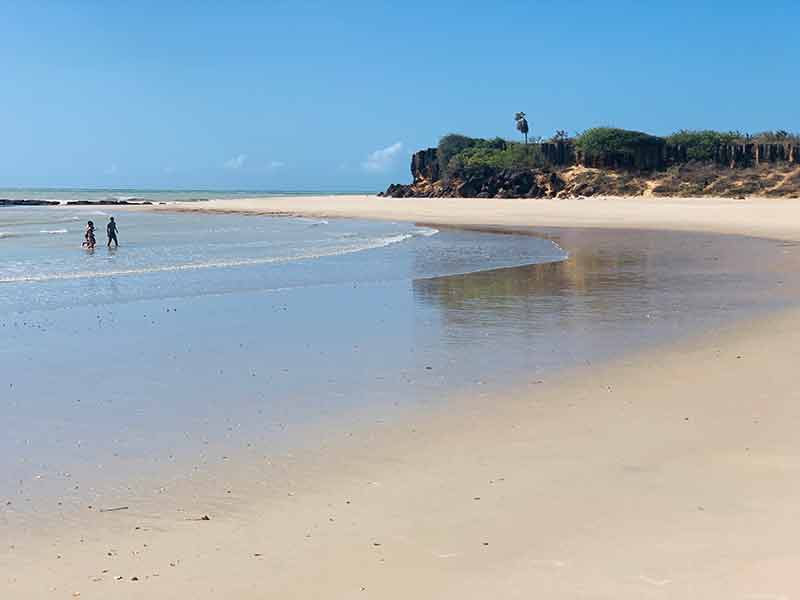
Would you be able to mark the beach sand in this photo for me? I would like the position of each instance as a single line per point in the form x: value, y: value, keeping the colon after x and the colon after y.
x: 765, y: 217
x: 669, y: 474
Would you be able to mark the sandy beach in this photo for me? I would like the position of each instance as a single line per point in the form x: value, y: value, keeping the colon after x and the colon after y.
x: 766, y: 217
x: 669, y: 474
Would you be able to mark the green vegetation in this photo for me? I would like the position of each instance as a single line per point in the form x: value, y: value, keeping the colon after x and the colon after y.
x: 450, y: 146
x: 700, y: 145
x: 457, y: 152
x: 512, y: 156
x: 601, y: 141
x: 775, y: 137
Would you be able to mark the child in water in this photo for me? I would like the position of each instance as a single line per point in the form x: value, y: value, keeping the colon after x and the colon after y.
x: 89, y: 239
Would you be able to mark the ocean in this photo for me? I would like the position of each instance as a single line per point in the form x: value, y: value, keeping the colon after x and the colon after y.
x: 153, y: 195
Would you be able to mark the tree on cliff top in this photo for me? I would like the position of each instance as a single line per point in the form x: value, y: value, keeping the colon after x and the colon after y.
x: 522, y: 124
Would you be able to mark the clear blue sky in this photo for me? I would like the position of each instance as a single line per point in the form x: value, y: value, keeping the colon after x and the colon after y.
x: 326, y: 95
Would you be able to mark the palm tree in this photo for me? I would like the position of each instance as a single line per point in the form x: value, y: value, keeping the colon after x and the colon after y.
x: 522, y: 124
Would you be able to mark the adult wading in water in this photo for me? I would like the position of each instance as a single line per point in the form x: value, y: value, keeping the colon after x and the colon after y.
x: 88, y: 236
x: 111, y: 231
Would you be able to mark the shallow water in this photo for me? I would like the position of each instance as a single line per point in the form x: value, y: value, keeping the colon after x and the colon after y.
x: 107, y: 380
x: 187, y: 255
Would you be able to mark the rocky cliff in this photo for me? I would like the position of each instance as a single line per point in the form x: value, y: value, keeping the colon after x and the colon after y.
x: 665, y: 170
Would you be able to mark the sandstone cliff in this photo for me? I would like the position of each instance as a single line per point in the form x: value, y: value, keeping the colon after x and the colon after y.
x: 736, y: 170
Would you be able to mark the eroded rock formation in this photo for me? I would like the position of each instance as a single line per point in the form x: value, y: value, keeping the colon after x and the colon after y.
x: 7, y: 202
x: 665, y: 170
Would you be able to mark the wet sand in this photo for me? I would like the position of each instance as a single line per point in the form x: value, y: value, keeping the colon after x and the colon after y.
x: 670, y: 473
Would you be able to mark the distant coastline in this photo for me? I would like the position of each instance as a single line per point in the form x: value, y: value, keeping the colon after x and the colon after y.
x: 76, y: 196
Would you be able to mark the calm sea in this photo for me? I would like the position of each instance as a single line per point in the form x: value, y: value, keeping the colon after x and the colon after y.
x: 99, y: 194
x: 162, y: 255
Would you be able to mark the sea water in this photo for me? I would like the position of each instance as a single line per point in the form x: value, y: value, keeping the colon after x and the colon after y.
x: 155, y: 196
x: 42, y: 264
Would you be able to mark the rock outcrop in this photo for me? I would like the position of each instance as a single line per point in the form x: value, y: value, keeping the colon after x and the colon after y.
x: 425, y: 165
x: 109, y: 203
x: 7, y: 202
x: 737, y: 169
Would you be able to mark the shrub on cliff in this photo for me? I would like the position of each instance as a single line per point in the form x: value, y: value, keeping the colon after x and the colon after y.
x: 606, y: 141
x: 453, y: 146
x: 449, y: 146
x: 701, y: 145
x: 776, y: 137
x: 510, y: 156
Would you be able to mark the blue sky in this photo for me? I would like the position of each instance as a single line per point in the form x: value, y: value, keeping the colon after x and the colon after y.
x: 336, y: 95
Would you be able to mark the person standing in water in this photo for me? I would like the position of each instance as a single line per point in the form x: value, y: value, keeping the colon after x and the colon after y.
x: 88, y: 237
x: 111, y: 231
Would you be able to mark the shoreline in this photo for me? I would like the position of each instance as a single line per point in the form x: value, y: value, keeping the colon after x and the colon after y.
x: 772, y: 218
x: 667, y: 471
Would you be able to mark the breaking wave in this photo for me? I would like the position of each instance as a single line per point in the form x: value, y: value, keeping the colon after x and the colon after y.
x: 368, y: 244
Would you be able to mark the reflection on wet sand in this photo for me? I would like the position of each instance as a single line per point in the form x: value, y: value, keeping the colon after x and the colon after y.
x: 664, y: 280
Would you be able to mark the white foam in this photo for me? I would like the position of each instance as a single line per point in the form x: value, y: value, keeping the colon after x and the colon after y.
x: 426, y: 231
x: 370, y: 244
x: 54, y: 231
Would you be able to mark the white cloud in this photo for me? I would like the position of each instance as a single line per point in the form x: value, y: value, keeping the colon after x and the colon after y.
x: 237, y: 162
x: 277, y: 164
x: 381, y: 160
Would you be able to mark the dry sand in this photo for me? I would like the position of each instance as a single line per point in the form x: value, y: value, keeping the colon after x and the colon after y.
x: 672, y: 474
x: 766, y: 217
